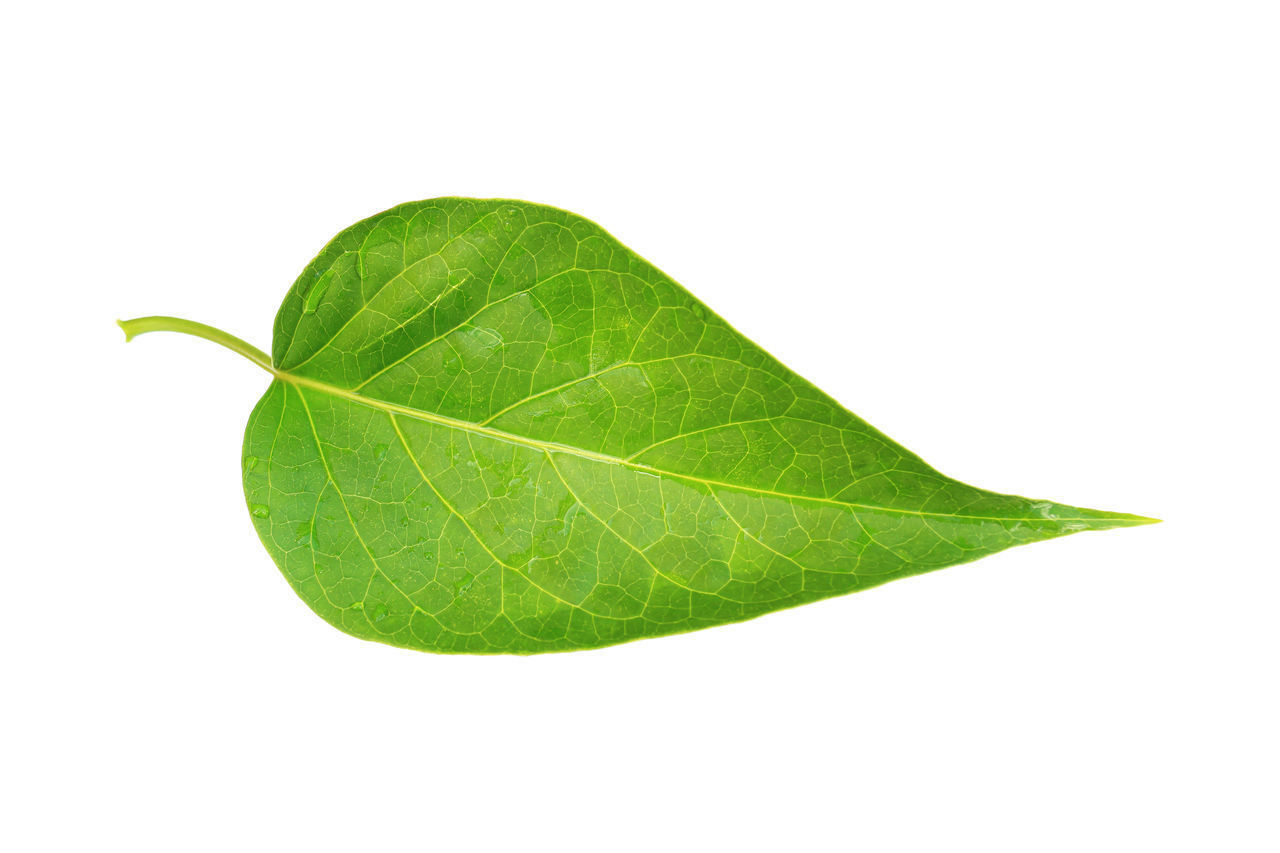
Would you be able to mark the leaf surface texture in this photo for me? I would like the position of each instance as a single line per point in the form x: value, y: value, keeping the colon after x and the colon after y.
x: 494, y: 428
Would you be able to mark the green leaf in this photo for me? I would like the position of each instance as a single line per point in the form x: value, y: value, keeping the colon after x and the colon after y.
x: 494, y: 428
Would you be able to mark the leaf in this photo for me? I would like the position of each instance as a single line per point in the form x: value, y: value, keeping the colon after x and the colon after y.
x: 494, y: 428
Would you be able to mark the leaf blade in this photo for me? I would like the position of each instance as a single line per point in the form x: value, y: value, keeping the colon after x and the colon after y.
x: 539, y: 442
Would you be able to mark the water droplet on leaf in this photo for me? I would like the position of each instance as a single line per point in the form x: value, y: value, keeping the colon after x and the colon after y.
x: 463, y: 584
x: 1045, y: 509
x: 259, y: 510
x: 315, y: 293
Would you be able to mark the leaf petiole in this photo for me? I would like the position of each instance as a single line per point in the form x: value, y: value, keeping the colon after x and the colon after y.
x: 142, y: 325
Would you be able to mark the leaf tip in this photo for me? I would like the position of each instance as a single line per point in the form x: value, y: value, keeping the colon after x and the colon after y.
x: 1098, y: 520
x: 124, y: 327
x: 1073, y: 519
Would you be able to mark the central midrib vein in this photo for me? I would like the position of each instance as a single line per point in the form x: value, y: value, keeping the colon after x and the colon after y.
x: 556, y: 447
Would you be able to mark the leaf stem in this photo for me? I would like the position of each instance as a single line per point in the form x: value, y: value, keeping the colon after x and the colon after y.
x: 142, y: 325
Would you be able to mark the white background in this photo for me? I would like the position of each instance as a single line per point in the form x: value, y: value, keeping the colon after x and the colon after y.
x: 1034, y: 242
